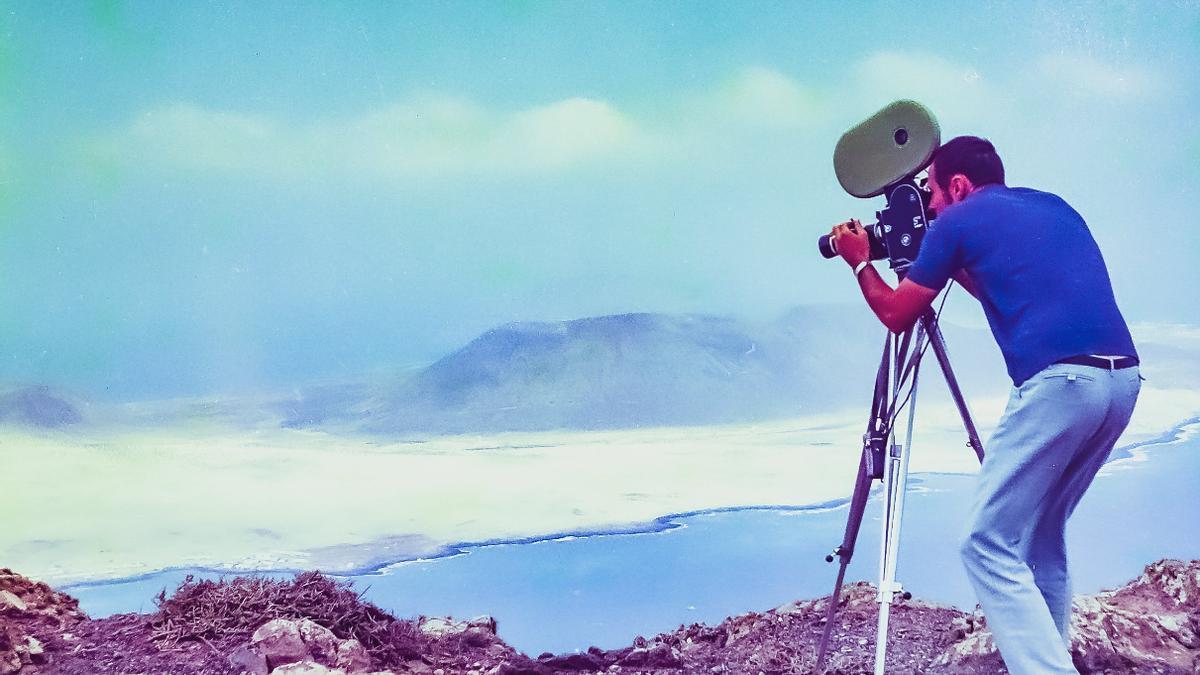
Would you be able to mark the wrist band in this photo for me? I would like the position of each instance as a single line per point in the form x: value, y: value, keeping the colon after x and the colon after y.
x: 861, y: 266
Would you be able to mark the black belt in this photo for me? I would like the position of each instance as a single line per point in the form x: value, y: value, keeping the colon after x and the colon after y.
x: 1102, y: 362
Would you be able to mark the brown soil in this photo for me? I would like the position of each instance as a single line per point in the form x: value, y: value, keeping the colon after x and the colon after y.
x: 196, y: 628
x: 785, y: 640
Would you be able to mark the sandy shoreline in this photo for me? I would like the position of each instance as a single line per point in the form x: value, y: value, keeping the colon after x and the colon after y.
x: 131, y: 503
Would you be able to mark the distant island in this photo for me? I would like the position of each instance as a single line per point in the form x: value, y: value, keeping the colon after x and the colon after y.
x: 619, y: 372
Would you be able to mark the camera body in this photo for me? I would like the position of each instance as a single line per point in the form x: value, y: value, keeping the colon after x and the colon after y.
x: 882, y: 156
x: 899, y: 230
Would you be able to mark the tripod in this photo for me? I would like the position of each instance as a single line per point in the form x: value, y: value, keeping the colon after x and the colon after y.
x: 889, y: 463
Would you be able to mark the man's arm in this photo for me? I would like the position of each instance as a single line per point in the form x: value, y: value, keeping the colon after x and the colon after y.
x: 898, y: 309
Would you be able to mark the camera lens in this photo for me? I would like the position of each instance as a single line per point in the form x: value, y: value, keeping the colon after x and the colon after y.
x: 826, y: 247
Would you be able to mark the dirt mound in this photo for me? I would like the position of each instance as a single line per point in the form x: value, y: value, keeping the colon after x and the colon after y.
x: 33, y: 603
x: 203, y: 623
x: 226, y: 613
x: 785, y: 640
x: 30, y: 613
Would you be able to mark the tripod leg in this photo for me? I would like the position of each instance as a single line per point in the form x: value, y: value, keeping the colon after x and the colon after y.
x: 938, y: 342
x: 858, y: 501
x: 897, y: 478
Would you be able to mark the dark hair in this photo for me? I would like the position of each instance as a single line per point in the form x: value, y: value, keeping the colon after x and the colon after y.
x: 971, y: 156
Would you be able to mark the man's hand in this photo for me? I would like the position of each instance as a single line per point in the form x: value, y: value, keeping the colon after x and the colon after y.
x: 897, y: 309
x: 850, y: 241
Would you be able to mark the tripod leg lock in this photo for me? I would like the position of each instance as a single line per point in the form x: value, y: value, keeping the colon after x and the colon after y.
x: 888, y: 593
x: 874, y: 455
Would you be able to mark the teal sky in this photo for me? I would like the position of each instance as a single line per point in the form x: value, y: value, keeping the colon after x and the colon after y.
x: 204, y: 197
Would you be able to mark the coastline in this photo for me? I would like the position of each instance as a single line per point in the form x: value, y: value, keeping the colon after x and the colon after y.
x: 659, y: 525
x: 1131, y: 453
x: 1136, y: 451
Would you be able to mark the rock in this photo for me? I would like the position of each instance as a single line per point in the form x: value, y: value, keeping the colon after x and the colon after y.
x: 305, y: 668
x: 249, y: 661
x: 283, y: 642
x: 1151, y: 624
x: 583, y: 661
x: 973, y: 643
x: 478, y: 637
x: 1153, y: 621
x: 439, y: 628
x: 322, y: 644
x: 352, y: 657
x: 497, y: 650
x: 18, y: 650
x: 528, y: 668
x: 794, y: 608
x: 656, y: 655
x: 483, y: 622
x: 31, y: 599
x: 33, y: 652
x: 279, y: 641
x: 445, y: 627
x: 10, y: 659
x: 738, y: 632
x: 10, y: 601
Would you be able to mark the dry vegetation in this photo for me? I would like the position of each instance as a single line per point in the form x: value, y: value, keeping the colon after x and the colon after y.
x: 225, y: 613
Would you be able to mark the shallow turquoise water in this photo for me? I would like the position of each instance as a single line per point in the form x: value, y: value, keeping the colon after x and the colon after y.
x: 566, y: 594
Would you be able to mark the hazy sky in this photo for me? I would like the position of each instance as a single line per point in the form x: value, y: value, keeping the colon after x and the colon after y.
x: 203, y: 196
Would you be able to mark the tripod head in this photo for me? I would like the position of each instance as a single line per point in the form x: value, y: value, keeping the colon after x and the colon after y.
x: 882, y: 155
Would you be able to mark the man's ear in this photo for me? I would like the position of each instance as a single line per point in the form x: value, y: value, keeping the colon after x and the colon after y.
x: 960, y: 186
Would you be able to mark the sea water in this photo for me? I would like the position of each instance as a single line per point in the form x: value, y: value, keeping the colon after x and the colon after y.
x: 566, y: 593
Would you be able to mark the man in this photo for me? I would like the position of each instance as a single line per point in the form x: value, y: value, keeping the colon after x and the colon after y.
x: 1031, y: 262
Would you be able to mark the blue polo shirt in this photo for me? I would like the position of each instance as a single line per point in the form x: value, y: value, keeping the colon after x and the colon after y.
x: 1038, y: 272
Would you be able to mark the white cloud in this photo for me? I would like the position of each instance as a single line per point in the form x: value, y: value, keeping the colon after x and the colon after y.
x: 429, y: 136
x: 892, y: 69
x: 438, y: 136
x: 442, y: 136
x: 1082, y: 74
x: 762, y: 95
x: 566, y: 132
x: 188, y: 135
x: 941, y: 84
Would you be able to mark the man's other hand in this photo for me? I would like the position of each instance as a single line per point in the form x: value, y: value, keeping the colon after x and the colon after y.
x: 850, y: 241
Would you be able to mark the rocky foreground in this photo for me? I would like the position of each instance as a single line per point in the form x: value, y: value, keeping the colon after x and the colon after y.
x: 315, y: 625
